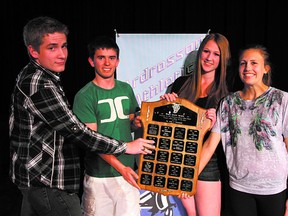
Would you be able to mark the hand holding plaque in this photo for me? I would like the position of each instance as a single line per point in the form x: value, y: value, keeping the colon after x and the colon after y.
x: 178, y: 129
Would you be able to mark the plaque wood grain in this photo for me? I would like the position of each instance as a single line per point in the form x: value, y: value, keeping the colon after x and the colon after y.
x: 178, y: 129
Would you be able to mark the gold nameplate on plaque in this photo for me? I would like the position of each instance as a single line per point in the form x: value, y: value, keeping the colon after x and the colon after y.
x: 178, y: 129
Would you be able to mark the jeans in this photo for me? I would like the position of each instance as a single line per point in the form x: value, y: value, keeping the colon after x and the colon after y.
x: 44, y: 201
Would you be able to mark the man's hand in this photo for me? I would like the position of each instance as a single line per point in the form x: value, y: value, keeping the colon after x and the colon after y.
x: 140, y: 146
x: 137, y: 122
x: 130, y: 176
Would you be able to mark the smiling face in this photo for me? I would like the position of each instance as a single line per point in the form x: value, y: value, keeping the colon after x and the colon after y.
x: 210, y: 57
x: 105, y: 62
x: 252, y: 67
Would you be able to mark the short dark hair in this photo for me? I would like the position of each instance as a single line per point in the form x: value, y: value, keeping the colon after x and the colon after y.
x: 102, y: 42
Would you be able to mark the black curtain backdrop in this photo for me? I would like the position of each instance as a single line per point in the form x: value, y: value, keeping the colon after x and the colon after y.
x: 242, y: 22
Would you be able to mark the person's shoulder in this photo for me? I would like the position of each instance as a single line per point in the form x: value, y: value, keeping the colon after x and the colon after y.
x: 230, y: 96
x: 277, y: 89
x: 279, y: 92
x: 122, y: 83
x: 274, y: 91
x: 178, y: 83
x: 85, y: 88
x: 181, y: 79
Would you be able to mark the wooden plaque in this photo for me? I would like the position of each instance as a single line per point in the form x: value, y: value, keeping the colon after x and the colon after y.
x: 178, y: 129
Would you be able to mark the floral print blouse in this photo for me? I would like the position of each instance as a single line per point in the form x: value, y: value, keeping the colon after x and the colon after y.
x: 252, y: 133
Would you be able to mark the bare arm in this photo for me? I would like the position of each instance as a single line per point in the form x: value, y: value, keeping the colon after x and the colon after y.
x: 127, y: 172
x: 286, y: 142
x: 208, y: 149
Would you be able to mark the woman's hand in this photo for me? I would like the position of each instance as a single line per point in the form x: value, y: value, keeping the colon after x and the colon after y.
x: 211, y: 114
x: 169, y: 96
x: 184, y: 196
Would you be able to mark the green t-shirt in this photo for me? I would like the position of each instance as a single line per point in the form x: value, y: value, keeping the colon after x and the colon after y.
x: 110, y: 109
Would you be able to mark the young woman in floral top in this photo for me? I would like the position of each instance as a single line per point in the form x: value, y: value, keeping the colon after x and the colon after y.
x: 253, y: 127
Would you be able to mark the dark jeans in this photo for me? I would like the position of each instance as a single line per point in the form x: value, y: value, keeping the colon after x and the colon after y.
x: 49, y: 202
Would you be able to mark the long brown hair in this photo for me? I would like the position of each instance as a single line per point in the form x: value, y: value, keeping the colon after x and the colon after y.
x: 192, y: 87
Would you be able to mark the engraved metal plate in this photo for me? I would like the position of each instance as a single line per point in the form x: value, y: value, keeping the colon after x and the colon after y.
x: 178, y: 129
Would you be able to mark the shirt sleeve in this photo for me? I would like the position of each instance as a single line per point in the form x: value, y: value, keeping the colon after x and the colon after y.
x: 285, y: 115
x: 52, y: 107
x: 83, y: 108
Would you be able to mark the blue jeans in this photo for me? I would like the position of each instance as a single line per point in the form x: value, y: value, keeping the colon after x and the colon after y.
x: 44, y: 201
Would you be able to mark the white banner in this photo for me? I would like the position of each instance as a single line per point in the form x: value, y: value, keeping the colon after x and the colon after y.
x: 151, y: 62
